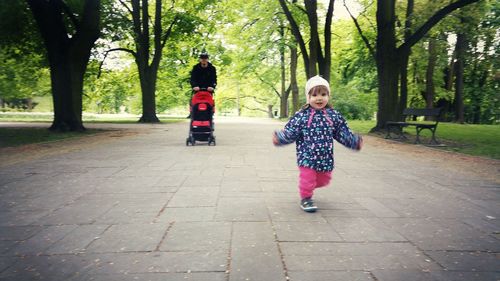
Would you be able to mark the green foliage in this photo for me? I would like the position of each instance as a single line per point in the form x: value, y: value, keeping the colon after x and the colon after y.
x: 353, y: 104
x: 354, y: 81
x: 22, y: 76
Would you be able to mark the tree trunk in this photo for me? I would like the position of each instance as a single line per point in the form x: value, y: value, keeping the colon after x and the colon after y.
x: 293, y: 78
x: 314, y: 49
x: 405, y: 57
x: 148, y: 88
x: 68, y: 56
x: 270, y: 111
x: 387, y: 64
x: 460, y: 47
x: 284, y: 106
x: 450, y: 73
x: 403, y: 72
x: 429, y: 74
x: 283, y: 96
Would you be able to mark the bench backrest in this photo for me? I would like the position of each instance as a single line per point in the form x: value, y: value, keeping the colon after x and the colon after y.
x: 433, y: 112
x: 421, y: 111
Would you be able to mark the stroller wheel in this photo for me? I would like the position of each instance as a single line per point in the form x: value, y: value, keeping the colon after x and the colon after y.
x: 187, y: 142
x: 211, y: 141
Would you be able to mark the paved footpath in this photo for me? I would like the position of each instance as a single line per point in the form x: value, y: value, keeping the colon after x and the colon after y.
x: 146, y: 207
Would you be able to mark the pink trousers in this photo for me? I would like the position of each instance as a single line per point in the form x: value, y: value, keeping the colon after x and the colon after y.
x: 309, y: 180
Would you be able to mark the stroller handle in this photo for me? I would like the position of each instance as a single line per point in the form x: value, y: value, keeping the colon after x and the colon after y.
x: 204, y: 89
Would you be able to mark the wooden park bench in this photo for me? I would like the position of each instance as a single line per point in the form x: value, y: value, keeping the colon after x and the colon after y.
x: 412, y: 113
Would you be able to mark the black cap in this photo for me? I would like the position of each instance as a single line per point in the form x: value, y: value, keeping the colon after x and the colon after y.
x: 204, y: 55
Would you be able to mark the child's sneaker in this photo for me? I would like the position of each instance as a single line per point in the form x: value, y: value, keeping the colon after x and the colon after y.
x: 307, y: 204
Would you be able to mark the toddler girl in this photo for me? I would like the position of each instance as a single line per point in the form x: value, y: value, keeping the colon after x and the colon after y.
x: 313, y: 129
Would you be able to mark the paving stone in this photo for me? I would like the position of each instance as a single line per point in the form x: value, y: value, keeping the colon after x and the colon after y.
x: 5, y: 262
x: 156, y: 262
x: 255, y: 254
x: 240, y: 172
x: 129, y: 237
x: 320, y: 256
x: 195, y: 197
x: 124, y: 216
x: 56, y: 268
x: 160, y: 276
x: 364, y: 229
x: 433, y: 275
x: 22, y: 218
x: 42, y: 240
x: 347, y: 213
x: 17, y: 233
x: 330, y: 275
x: 466, y: 261
x: 377, y: 208
x: 77, y: 240
x: 142, y: 184
x: 442, y: 234
x: 241, y: 209
x: 202, y: 181
x: 199, y: 236
x: 280, y: 186
x: 186, y: 214
x: 306, y: 231
x: 488, y: 226
x: 243, y: 185
x: 81, y: 212
x: 6, y: 246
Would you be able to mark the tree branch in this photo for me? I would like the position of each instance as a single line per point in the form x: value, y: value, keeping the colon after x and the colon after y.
x: 269, y: 84
x: 126, y: 7
x: 248, y: 24
x: 136, y: 18
x: 360, y: 31
x: 169, y: 31
x: 431, y: 22
x: 113, y: 50
x: 244, y: 97
x: 296, y: 33
x: 299, y: 7
x: 253, y: 108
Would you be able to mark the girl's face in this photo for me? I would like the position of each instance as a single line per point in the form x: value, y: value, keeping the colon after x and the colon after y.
x: 318, y: 97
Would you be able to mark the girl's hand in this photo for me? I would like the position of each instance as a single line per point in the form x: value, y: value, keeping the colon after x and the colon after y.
x: 275, y: 139
x: 360, y: 143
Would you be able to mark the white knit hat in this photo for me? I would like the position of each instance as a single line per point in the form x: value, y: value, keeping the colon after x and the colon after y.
x: 316, y: 81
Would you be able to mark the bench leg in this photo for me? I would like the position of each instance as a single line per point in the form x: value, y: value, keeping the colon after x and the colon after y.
x: 433, y: 140
x: 400, y: 132
x: 388, y: 135
x: 417, y: 140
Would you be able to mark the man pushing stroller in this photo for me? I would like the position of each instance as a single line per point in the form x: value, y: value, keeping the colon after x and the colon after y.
x: 202, y: 106
x: 203, y: 75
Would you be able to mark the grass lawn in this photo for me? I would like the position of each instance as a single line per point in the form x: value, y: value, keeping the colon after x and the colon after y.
x: 87, y: 118
x: 10, y: 137
x: 481, y: 140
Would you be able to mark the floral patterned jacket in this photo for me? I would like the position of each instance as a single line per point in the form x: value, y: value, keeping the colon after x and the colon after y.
x: 314, y: 131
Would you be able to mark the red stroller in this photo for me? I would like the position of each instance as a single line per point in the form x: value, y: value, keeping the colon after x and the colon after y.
x: 201, y: 126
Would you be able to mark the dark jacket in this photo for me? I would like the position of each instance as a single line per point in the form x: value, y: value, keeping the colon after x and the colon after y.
x: 203, y: 77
